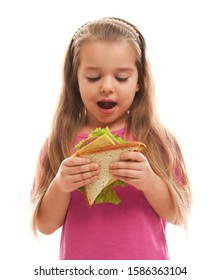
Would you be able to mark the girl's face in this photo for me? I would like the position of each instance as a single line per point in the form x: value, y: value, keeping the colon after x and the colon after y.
x: 108, y: 82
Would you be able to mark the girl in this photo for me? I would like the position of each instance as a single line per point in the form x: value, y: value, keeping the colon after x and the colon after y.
x: 107, y: 82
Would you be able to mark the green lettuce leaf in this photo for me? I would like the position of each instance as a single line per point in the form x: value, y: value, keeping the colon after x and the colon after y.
x: 99, y: 132
x: 108, y: 194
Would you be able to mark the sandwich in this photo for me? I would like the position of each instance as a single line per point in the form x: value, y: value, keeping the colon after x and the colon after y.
x: 103, y: 147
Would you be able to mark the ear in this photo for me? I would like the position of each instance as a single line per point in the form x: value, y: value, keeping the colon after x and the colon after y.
x: 137, y: 87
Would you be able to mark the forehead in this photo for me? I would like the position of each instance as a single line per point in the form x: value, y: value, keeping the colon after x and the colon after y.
x: 119, y: 54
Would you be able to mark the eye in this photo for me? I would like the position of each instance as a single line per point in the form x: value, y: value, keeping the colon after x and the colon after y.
x: 122, y: 79
x: 93, y: 79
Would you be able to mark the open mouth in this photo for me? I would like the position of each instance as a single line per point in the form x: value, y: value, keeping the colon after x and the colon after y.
x: 106, y: 104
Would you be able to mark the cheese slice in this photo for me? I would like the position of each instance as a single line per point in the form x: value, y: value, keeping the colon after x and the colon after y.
x: 100, y: 142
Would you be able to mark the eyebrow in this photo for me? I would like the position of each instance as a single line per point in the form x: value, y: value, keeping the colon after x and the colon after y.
x: 120, y: 69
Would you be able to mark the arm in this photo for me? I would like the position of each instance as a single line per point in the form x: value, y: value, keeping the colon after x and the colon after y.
x: 72, y: 174
x: 161, y: 199
x: 135, y: 169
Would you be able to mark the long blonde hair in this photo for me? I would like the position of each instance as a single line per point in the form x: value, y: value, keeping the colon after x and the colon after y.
x: 162, y: 150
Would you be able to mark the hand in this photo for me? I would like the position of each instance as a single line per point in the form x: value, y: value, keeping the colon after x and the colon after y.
x: 134, y: 169
x: 75, y: 172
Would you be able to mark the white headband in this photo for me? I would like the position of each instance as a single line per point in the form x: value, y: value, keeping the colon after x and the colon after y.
x: 110, y: 20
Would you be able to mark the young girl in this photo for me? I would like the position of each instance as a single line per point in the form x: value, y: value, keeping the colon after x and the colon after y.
x: 107, y: 82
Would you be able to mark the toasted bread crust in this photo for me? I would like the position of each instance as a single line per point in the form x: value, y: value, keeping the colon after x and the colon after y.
x: 138, y: 146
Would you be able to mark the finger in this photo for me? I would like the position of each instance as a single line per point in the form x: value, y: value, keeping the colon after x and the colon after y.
x: 125, y: 173
x: 129, y: 160
x: 73, y: 161
x: 76, y: 185
x: 82, y: 168
x: 132, y: 156
x: 125, y: 165
x: 80, y: 177
x: 128, y: 180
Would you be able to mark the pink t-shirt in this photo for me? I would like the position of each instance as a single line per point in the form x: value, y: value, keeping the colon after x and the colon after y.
x: 130, y: 230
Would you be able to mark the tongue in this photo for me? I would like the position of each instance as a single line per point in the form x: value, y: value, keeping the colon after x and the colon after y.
x: 106, y: 105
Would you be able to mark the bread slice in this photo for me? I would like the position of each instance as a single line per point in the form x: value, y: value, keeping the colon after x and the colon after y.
x: 104, y: 156
x: 100, y: 142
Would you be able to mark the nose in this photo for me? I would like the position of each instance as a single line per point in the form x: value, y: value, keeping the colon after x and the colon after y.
x: 107, y: 85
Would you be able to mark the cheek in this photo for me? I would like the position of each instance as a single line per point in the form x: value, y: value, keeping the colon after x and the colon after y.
x: 87, y: 96
x: 85, y: 90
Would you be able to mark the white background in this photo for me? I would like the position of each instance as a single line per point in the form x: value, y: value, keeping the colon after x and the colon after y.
x: 183, y: 40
